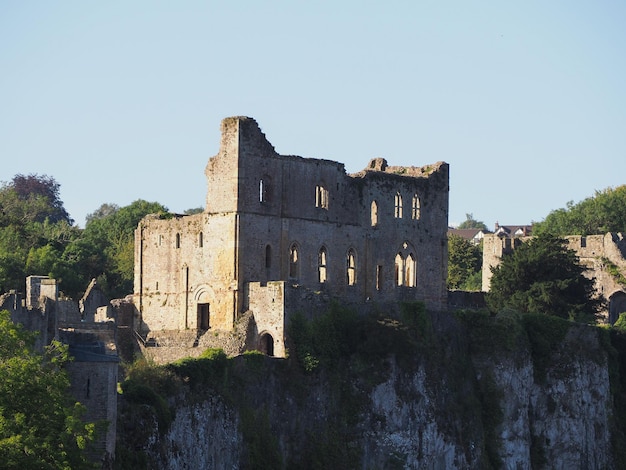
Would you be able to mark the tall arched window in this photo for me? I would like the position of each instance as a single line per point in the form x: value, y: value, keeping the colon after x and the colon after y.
x: 321, y: 197
x: 399, y: 270
x: 351, y: 267
x: 321, y: 265
x: 405, y: 267
x: 178, y: 240
x: 398, y: 206
x: 293, y: 261
x: 409, y: 271
x: 261, y: 191
x: 200, y: 240
x: 415, y: 207
x: 374, y: 213
x: 265, y: 187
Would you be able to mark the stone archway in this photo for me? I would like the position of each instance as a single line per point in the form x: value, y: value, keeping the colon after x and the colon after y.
x: 266, y: 344
x: 617, y: 305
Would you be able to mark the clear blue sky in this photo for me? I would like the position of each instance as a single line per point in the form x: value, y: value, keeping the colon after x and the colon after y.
x: 122, y: 100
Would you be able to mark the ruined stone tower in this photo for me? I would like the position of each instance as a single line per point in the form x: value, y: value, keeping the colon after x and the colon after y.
x: 273, y: 223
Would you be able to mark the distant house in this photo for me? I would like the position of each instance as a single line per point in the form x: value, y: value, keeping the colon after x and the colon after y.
x: 473, y: 235
x: 513, y: 231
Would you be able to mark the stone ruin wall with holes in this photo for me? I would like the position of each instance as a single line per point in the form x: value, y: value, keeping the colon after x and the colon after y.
x: 592, y: 251
x: 235, y: 256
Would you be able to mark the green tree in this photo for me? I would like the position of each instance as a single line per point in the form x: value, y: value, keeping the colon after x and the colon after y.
x: 470, y: 222
x: 602, y: 213
x: 194, y: 210
x: 34, y: 229
x: 464, y: 264
x: 543, y: 276
x: 33, y: 197
x: 105, y: 250
x: 40, y: 424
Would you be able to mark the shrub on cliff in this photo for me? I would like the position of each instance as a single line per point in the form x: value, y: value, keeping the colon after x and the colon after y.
x: 544, y: 276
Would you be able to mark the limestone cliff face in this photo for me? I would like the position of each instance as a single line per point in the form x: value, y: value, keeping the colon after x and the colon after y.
x: 560, y: 420
x: 459, y: 403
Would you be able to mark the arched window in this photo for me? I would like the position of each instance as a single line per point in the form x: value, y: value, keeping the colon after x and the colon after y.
x: 405, y: 267
x: 409, y: 271
x: 178, y: 240
x: 398, y: 206
x: 374, y: 213
x: 399, y: 270
x: 293, y: 261
x: 351, y: 267
x: 321, y: 197
x: 268, y: 257
x: 321, y: 265
x: 266, y: 344
x: 200, y: 240
x: 415, y: 207
x: 265, y: 187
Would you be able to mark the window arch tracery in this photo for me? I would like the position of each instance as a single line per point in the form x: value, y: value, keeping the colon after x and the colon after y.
x: 398, y: 205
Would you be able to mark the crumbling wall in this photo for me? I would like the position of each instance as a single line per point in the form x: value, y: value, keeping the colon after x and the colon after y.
x: 272, y: 217
x: 593, y: 252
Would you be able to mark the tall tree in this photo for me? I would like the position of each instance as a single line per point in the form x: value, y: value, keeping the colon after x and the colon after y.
x: 106, y: 248
x: 602, y: 213
x: 34, y: 229
x: 544, y: 276
x: 40, y: 424
x: 464, y: 264
x: 43, y: 192
x: 470, y: 222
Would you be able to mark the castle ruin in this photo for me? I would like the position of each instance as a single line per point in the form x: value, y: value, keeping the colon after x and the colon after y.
x: 279, y: 232
x: 595, y: 252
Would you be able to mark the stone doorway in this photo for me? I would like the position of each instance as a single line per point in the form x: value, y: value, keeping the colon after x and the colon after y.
x: 203, y: 316
x: 266, y: 344
x: 617, y: 305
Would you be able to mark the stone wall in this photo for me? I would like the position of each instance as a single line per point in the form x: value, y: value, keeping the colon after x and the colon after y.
x: 592, y: 251
x: 378, y: 235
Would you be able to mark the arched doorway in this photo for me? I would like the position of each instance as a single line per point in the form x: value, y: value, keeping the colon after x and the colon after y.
x: 617, y: 305
x: 266, y: 344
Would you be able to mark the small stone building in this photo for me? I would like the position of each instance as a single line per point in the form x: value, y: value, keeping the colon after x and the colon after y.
x: 276, y: 226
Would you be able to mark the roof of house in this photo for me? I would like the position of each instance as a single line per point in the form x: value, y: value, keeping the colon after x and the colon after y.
x: 467, y: 233
x: 513, y: 230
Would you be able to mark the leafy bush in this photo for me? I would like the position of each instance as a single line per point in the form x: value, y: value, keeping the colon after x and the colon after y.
x: 208, y: 369
x: 136, y: 392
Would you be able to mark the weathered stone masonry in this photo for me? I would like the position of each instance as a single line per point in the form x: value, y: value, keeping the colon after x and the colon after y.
x: 272, y: 222
x: 593, y: 251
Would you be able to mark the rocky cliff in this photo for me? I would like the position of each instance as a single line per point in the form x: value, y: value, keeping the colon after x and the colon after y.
x: 434, y: 391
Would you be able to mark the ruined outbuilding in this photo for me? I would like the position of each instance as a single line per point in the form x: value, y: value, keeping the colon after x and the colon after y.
x: 93, y: 371
x: 598, y: 253
x: 279, y: 234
